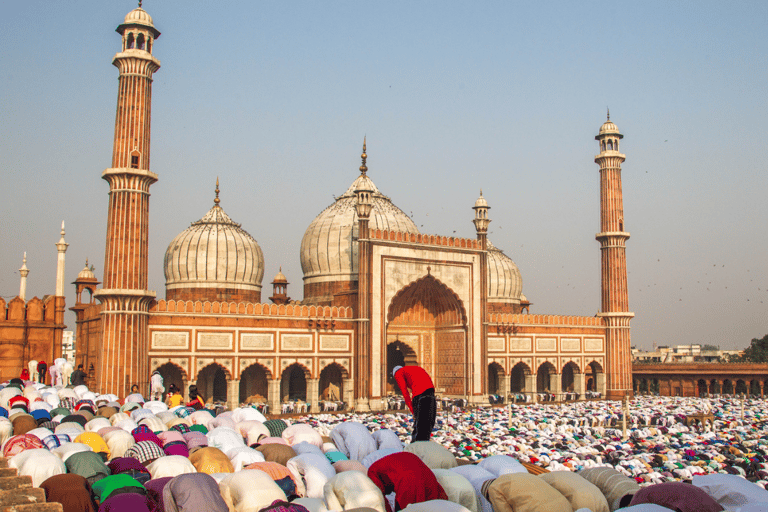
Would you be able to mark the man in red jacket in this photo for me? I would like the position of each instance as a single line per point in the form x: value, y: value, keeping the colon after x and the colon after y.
x: 419, y: 395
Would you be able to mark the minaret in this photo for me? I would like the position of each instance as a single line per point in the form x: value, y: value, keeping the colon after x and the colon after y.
x: 481, y: 222
x: 363, y: 192
x: 59, y: 301
x: 61, y: 247
x: 125, y: 299
x: 612, y: 237
x: 24, y: 272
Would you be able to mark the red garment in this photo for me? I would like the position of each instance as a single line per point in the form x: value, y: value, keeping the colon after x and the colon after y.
x: 414, y: 378
x: 24, y: 374
x: 410, y: 479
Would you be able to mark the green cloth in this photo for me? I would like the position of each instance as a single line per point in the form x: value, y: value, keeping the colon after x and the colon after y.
x: 106, y: 486
x: 60, y: 410
x: 199, y: 428
x: 275, y: 427
x: 87, y: 465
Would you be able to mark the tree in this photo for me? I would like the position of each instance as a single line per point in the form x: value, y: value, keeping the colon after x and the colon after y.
x: 710, y: 347
x: 757, y: 352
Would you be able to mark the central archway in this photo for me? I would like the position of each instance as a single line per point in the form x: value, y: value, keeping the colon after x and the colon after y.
x: 429, y: 318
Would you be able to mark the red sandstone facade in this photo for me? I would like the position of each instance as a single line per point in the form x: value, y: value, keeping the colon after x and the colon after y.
x: 700, y: 379
x: 612, y: 238
x: 399, y: 297
x: 125, y: 299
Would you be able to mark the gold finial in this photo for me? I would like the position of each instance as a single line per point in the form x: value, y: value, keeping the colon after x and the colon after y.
x: 364, y: 168
x: 609, y: 113
x: 216, y: 201
x: 139, y: 4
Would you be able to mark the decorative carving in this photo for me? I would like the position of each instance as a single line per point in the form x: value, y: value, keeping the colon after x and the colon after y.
x: 546, y: 344
x: 217, y: 340
x: 257, y: 341
x: 334, y: 343
x: 520, y: 344
x: 495, y: 344
x: 570, y: 344
x: 166, y: 340
x: 296, y: 342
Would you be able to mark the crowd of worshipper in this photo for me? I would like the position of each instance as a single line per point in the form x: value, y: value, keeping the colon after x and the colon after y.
x: 94, y: 452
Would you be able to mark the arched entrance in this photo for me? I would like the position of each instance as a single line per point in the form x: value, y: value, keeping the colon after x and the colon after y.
x: 172, y: 374
x: 253, y: 384
x: 212, y: 383
x: 544, y: 379
x: 741, y: 387
x: 517, y: 378
x: 727, y: 387
x: 754, y: 387
x: 429, y: 316
x: 714, y: 387
x: 398, y: 354
x: 702, y: 388
x: 568, y: 378
x: 293, y: 383
x: 594, y: 377
x: 332, y: 382
x: 495, y: 374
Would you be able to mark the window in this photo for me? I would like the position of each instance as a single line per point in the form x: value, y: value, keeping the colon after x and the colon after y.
x: 134, y: 161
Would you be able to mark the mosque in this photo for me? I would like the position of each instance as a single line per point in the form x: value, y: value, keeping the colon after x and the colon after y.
x: 377, y: 293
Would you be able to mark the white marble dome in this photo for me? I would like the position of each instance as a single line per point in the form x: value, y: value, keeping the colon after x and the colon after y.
x: 329, y: 246
x: 214, y: 252
x: 139, y: 16
x: 505, y: 284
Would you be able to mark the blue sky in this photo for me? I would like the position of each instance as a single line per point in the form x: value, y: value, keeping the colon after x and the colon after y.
x: 274, y: 98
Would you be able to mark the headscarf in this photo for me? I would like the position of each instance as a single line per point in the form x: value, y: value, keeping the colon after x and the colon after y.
x: 105, y: 487
x: 89, y: 465
x: 193, y: 492
x: 95, y: 441
x: 211, y: 460
x: 145, y: 452
x: 72, y: 491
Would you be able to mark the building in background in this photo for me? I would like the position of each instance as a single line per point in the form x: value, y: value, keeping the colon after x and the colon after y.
x: 31, y: 330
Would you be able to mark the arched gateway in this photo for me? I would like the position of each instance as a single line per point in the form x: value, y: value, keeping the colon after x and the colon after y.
x: 429, y: 319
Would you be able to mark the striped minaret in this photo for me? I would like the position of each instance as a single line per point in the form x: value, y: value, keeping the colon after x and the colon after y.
x: 125, y: 299
x: 613, y: 238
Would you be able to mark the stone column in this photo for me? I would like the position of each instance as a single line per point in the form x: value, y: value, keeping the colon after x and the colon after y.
x: 504, y: 386
x: 600, y: 383
x: 273, y: 396
x: 348, y: 393
x: 313, y: 392
x: 578, y: 384
x: 233, y: 394
x: 555, y: 384
x: 530, y: 385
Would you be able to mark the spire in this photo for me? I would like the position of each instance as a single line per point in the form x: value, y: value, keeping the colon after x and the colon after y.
x: 62, y: 249
x: 216, y: 201
x: 364, y: 168
x: 140, y: 4
x: 609, y: 113
x: 24, y: 272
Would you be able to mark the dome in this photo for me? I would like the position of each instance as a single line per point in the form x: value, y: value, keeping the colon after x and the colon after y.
x: 280, y: 278
x: 139, y: 16
x: 329, y: 246
x: 481, y: 202
x: 505, y: 284
x: 86, y: 273
x: 609, y: 128
x: 217, y: 255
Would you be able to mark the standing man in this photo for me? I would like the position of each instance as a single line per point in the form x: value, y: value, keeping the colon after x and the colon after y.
x: 419, y: 395
x: 78, y: 376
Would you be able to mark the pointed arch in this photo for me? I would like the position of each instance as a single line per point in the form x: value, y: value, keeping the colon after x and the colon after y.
x: 254, y: 383
x: 438, y: 298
